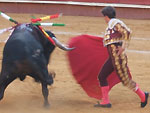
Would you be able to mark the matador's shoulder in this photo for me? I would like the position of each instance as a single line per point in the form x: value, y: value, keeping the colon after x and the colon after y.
x: 116, y: 22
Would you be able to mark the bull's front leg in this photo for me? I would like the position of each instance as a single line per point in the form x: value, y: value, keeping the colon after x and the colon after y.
x: 45, y: 94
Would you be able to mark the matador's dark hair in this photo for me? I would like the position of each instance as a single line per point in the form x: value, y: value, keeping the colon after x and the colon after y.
x: 109, y: 11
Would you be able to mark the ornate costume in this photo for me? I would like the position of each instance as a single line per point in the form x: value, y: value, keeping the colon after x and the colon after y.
x: 116, y: 32
x: 117, y: 35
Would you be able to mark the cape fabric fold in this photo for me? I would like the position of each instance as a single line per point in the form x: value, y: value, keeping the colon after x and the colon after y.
x: 86, y: 62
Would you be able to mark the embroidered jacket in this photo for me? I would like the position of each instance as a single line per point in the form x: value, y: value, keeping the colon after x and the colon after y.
x: 116, y: 32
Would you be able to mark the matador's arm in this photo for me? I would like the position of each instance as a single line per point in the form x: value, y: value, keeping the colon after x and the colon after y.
x: 125, y: 34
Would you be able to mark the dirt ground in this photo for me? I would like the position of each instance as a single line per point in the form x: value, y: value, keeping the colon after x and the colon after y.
x: 65, y: 95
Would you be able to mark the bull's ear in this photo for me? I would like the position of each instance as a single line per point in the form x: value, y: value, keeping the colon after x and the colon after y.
x: 62, y: 46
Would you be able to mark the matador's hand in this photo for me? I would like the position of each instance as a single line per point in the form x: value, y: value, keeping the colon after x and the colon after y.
x: 120, y: 50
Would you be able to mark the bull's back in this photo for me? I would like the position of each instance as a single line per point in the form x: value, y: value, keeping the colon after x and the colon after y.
x: 20, y: 46
x: 22, y: 42
x: 19, y: 51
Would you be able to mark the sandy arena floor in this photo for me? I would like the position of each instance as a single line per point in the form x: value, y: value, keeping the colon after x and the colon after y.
x: 65, y: 95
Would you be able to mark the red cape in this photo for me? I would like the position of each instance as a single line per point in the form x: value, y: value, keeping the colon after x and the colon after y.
x: 86, y: 62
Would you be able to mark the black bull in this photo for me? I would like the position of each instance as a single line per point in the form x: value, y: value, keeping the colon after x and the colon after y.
x: 27, y: 52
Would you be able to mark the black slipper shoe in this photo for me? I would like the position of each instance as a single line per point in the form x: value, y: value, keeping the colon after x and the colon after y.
x: 143, y: 104
x: 103, y: 105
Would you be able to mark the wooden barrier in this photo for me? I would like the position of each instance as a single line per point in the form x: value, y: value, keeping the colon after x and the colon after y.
x: 74, y: 8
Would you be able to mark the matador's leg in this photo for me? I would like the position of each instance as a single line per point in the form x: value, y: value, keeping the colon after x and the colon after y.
x: 121, y: 68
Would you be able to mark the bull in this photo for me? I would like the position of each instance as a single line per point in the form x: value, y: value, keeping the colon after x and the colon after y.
x: 27, y: 52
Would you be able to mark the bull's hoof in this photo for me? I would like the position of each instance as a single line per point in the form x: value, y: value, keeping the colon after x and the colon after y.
x: 50, y: 82
x: 46, y: 105
x: 22, y: 77
x: 53, y: 74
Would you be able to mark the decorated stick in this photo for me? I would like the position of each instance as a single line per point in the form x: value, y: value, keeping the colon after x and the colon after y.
x: 49, y: 24
x: 5, y: 30
x: 46, y: 17
x: 49, y: 38
x: 8, y: 18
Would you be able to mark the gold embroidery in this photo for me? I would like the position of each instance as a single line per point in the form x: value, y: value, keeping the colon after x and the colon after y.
x: 121, y: 75
x: 114, y: 54
x: 121, y: 28
x: 118, y: 67
x: 119, y: 71
x: 124, y: 62
x: 123, y: 78
x: 125, y: 69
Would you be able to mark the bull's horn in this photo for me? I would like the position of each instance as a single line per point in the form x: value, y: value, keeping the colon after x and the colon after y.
x: 61, y: 46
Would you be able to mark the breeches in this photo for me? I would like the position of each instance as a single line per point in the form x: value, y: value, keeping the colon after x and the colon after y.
x: 119, y: 65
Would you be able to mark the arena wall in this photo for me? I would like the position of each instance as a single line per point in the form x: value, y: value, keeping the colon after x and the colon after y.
x: 76, y: 8
x: 140, y: 2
